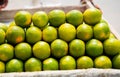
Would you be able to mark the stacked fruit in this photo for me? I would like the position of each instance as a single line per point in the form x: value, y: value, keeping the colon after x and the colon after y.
x: 58, y: 41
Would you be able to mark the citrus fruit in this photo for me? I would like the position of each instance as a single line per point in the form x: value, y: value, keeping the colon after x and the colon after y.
x: 33, y: 64
x: 67, y: 63
x: 33, y: 35
x: 2, y: 36
x: 84, y: 32
x: 102, y: 62
x: 94, y: 48
x: 84, y: 62
x: 12, y: 24
x: 50, y: 64
x: 40, y: 19
x: 59, y: 48
x: 77, y: 48
x: 116, y: 61
x: 14, y: 65
x: 101, y: 31
x: 23, y: 51
x: 67, y: 32
x: 49, y: 34
x: 3, y: 26
x: 112, y: 35
x: 92, y: 16
x: 23, y: 18
x: 111, y: 46
x: 56, y: 17
x: 2, y: 67
x: 41, y: 50
x: 103, y: 21
x: 74, y: 17
x: 15, y: 34
x: 6, y: 52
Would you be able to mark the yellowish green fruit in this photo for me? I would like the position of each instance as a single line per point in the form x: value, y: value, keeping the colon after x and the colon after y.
x: 77, y: 48
x: 67, y: 63
x: 67, y: 32
x: 6, y: 52
x: 14, y: 65
x: 3, y: 26
x: 22, y: 19
x: 84, y: 32
x: 33, y: 64
x: 40, y: 19
x: 102, y: 62
x: 2, y: 67
x: 41, y: 50
x: 2, y: 36
x: 116, y: 61
x: 56, y: 17
x: 50, y: 64
x: 59, y: 48
x: 84, y: 62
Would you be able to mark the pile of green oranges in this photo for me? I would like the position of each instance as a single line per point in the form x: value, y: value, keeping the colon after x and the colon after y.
x: 58, y: 41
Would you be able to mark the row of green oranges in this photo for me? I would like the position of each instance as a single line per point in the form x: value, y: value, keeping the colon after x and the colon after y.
x: 65, y: 63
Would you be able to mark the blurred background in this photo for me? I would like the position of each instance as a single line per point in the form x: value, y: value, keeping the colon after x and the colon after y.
x: 110, y: 9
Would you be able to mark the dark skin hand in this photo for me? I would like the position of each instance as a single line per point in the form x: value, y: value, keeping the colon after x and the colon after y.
x: 3, y: 4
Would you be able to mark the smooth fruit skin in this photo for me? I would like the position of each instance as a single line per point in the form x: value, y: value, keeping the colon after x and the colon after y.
x: 33, y: 35
x: 102, y: 62
x: 2, y: 36
x: 14, y: 65
x: 74, y: 17
x: 49, y: 34
x: 6, y: 52
x: 59, y: 48
x: 84, y: 32
x: 23, y: 51
x: 94, y: 48
x: 50, y: 64
x: 3, y: 26
x: 67, y: 32
x: 56, y: 17
x: 111, y: 46
x: 2, y: 67
x: 40, y: 19
x: 23, y: 19
x: 77, y: 48
x: 101, y: 31
x: 92, y: 16
x: 67, y: 63
x: 84, y: 62
x: 41, y: 50
x: 15, y: 35
x: 116, y: 61
x: 33, y: 64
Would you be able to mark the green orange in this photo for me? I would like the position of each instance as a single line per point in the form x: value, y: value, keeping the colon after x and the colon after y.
x: 74, y: 17
x: 41, y: 50
x: 40, y: 19
x: 111, y: 46
x: 101, y: 31
x: 6, y: 52
x: 49, y: 34
x: 67, y: 63
x: 14, y: 65
x: 2, y: 36
x: 50, y: 64
x: 84, y: 32
x: 92, y: 16
x: 33, y: 64
x: 56, y: 17
x: 77, y: 48
x: 102, y: 62
x: 15, y: 34
x: 67, y: 32
x: 33, y: 35
x: 2, y: 67
x: 84, y: 62
x: 116, y: 61
x: 59, y: 48
x: 23, y: 18
x: 23, y: 51
x: 3, y: 26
